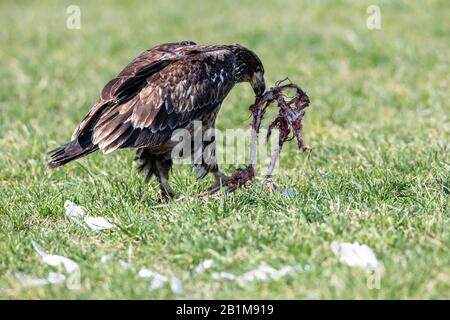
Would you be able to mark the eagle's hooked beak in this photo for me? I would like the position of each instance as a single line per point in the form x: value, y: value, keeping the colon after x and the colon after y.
x: 258, y: 84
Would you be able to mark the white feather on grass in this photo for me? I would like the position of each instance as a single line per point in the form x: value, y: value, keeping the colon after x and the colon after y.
x: 355, y: 254
x: 176, y: 285
x: 262, y: 273
x: 204, y: 265
x: 79, y: 214
x: 56, y: 260
x: 157, y: 280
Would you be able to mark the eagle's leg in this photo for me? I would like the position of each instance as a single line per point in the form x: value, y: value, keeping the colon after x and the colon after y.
x: 162, y: 175
x: 158, y: 166
x: 209, y: 163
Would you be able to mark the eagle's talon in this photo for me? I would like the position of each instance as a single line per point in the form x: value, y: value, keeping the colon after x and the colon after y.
x: 168, y: 196
x: 229, y: 185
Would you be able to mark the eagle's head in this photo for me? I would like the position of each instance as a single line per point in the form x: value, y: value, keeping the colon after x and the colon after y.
x: 249, y: 69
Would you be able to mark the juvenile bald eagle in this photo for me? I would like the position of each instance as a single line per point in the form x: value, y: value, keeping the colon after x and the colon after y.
x: 163, y: 89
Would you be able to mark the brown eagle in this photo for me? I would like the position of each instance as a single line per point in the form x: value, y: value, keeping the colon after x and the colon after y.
x: 164, y: 89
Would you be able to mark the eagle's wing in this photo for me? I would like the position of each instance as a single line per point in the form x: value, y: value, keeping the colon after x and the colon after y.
x: 128, y: 82
x: 169, y: 88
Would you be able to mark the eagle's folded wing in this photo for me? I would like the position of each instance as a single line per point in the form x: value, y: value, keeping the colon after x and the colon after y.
x: 128, y: 81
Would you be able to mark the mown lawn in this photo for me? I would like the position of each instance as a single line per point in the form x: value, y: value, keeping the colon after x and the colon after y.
x: 378, y: 174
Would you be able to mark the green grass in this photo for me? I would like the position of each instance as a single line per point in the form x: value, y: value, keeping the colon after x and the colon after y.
x: 379, y: 172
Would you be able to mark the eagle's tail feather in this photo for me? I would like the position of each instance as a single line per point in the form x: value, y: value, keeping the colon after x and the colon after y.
x: 68, y: 152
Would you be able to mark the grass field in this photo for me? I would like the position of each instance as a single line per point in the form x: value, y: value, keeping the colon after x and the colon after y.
x: 379, y: 172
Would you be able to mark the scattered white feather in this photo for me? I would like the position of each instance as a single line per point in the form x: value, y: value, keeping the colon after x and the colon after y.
x: 56, y: 278
x: 77, y: 213
x: 53, y: 278
x: 284, y: 271
x: 105, y: 258
x: 262, y: 273
x: 204, y: 265
x: 355, y: 255
x: 97, y: 223
x: 30, y: 282
x: 156, y: 283
x: 157, y: 280
x: 147, y: 273
x: 74, y: 211
x: 55, y: 260
x: 176, y: 285
x: 223, y: 275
